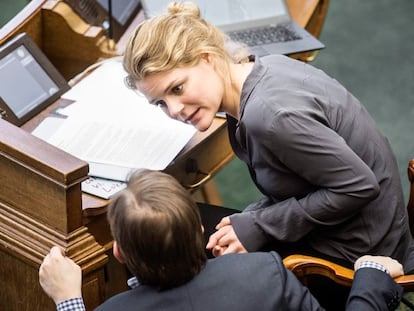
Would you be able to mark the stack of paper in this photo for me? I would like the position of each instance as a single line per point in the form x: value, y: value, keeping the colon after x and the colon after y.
x: 113, y: 128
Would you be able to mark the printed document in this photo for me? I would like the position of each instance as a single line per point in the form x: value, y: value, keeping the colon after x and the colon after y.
x: 115, y: 129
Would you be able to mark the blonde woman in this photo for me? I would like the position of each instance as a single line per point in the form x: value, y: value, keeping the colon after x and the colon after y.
x: 329, y: 177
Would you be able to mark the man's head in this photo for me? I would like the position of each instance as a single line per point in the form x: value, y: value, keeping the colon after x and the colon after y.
x: 157, y: 230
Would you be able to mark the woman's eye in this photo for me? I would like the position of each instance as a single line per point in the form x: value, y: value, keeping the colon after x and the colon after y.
x: 160, y: 104
x: 178, y: 89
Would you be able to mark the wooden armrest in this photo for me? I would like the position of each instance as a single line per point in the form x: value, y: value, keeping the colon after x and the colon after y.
x: 303, y: 266
x: 406, y: 281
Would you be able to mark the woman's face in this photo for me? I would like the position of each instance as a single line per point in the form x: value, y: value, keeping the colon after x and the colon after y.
x: 190, y: 94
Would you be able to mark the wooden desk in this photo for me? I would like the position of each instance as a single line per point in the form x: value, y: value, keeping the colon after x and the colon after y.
x: 41, y: 203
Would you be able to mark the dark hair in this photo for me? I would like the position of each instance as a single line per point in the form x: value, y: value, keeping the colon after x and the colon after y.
x: 157, y: 226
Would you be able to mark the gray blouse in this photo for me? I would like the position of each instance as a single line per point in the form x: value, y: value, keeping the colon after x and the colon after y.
x: 328, y: 175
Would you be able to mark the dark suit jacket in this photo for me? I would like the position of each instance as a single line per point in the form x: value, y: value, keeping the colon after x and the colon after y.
x: 253, y: 281
x: 373, y: 290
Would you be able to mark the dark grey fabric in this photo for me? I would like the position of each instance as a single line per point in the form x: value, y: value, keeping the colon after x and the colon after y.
x: 385, y: 296
x: 254, y: 281
x: 328, y: 174
x: 242, y: 282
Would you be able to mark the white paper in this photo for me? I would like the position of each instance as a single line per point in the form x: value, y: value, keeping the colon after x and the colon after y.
x: 104, y: 188
x: 116, y: 130
x: 47, y: 127
x: 99, y: 86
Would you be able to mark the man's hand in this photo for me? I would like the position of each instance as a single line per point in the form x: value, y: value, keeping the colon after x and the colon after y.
x: 393, y: 266
x: 225, y: 240
x: 60, y: 277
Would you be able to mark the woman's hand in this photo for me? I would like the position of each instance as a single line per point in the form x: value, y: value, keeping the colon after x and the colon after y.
x: 224, y: 240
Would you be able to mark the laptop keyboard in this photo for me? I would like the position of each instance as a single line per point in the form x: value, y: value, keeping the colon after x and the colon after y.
x: 265, y: 35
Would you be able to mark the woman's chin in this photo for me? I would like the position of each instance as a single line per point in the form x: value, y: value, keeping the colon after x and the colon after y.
x: 201, y: 128
x: 203, y: 125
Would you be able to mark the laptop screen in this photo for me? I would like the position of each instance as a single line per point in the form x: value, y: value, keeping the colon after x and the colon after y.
x: 225, y: 12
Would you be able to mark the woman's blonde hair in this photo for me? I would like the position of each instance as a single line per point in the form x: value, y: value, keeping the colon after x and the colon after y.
x: 177, y: 39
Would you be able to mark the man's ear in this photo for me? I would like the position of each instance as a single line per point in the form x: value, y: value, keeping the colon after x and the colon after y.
x: 117, y: 253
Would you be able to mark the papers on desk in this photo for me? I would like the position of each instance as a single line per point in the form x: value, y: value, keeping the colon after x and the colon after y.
x: 101, y: 187
x: 113, y: 128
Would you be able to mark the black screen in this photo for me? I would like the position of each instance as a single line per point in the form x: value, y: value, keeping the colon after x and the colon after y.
x: 122, y: 10
x: 29, y: 81
x: 24, y: 83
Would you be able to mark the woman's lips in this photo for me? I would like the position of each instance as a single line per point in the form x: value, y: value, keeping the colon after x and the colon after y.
x: 192, y: 118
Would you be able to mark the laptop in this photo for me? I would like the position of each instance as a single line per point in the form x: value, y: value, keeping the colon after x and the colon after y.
x: 264, y: 25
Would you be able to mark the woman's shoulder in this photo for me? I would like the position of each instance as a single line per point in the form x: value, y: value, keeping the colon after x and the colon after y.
x: 278, y: 59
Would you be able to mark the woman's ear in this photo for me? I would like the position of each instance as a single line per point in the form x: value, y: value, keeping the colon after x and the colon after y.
x: 207, y: 57
x: 117, y: 253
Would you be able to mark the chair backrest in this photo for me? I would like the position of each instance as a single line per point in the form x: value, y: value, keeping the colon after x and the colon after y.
x: 306, y: 266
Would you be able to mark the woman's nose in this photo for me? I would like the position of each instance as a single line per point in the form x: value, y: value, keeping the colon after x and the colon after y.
x: 175, y: 109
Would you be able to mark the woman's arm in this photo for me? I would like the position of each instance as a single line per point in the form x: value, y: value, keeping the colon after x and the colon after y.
x: 342, y: 183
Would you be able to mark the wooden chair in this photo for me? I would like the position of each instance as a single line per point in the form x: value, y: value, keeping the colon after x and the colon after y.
x: 304, y: 267
x: 311, y: 15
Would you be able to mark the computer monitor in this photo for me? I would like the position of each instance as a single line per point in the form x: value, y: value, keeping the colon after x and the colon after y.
x: 29, y: 81
x: 122, y: 10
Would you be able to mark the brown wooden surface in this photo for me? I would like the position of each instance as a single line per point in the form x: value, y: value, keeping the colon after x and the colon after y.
x: 40, y: 206
x: 303, y: 11
x: 41, y: 203
x: 304, y: 266
x: 311, y: 15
